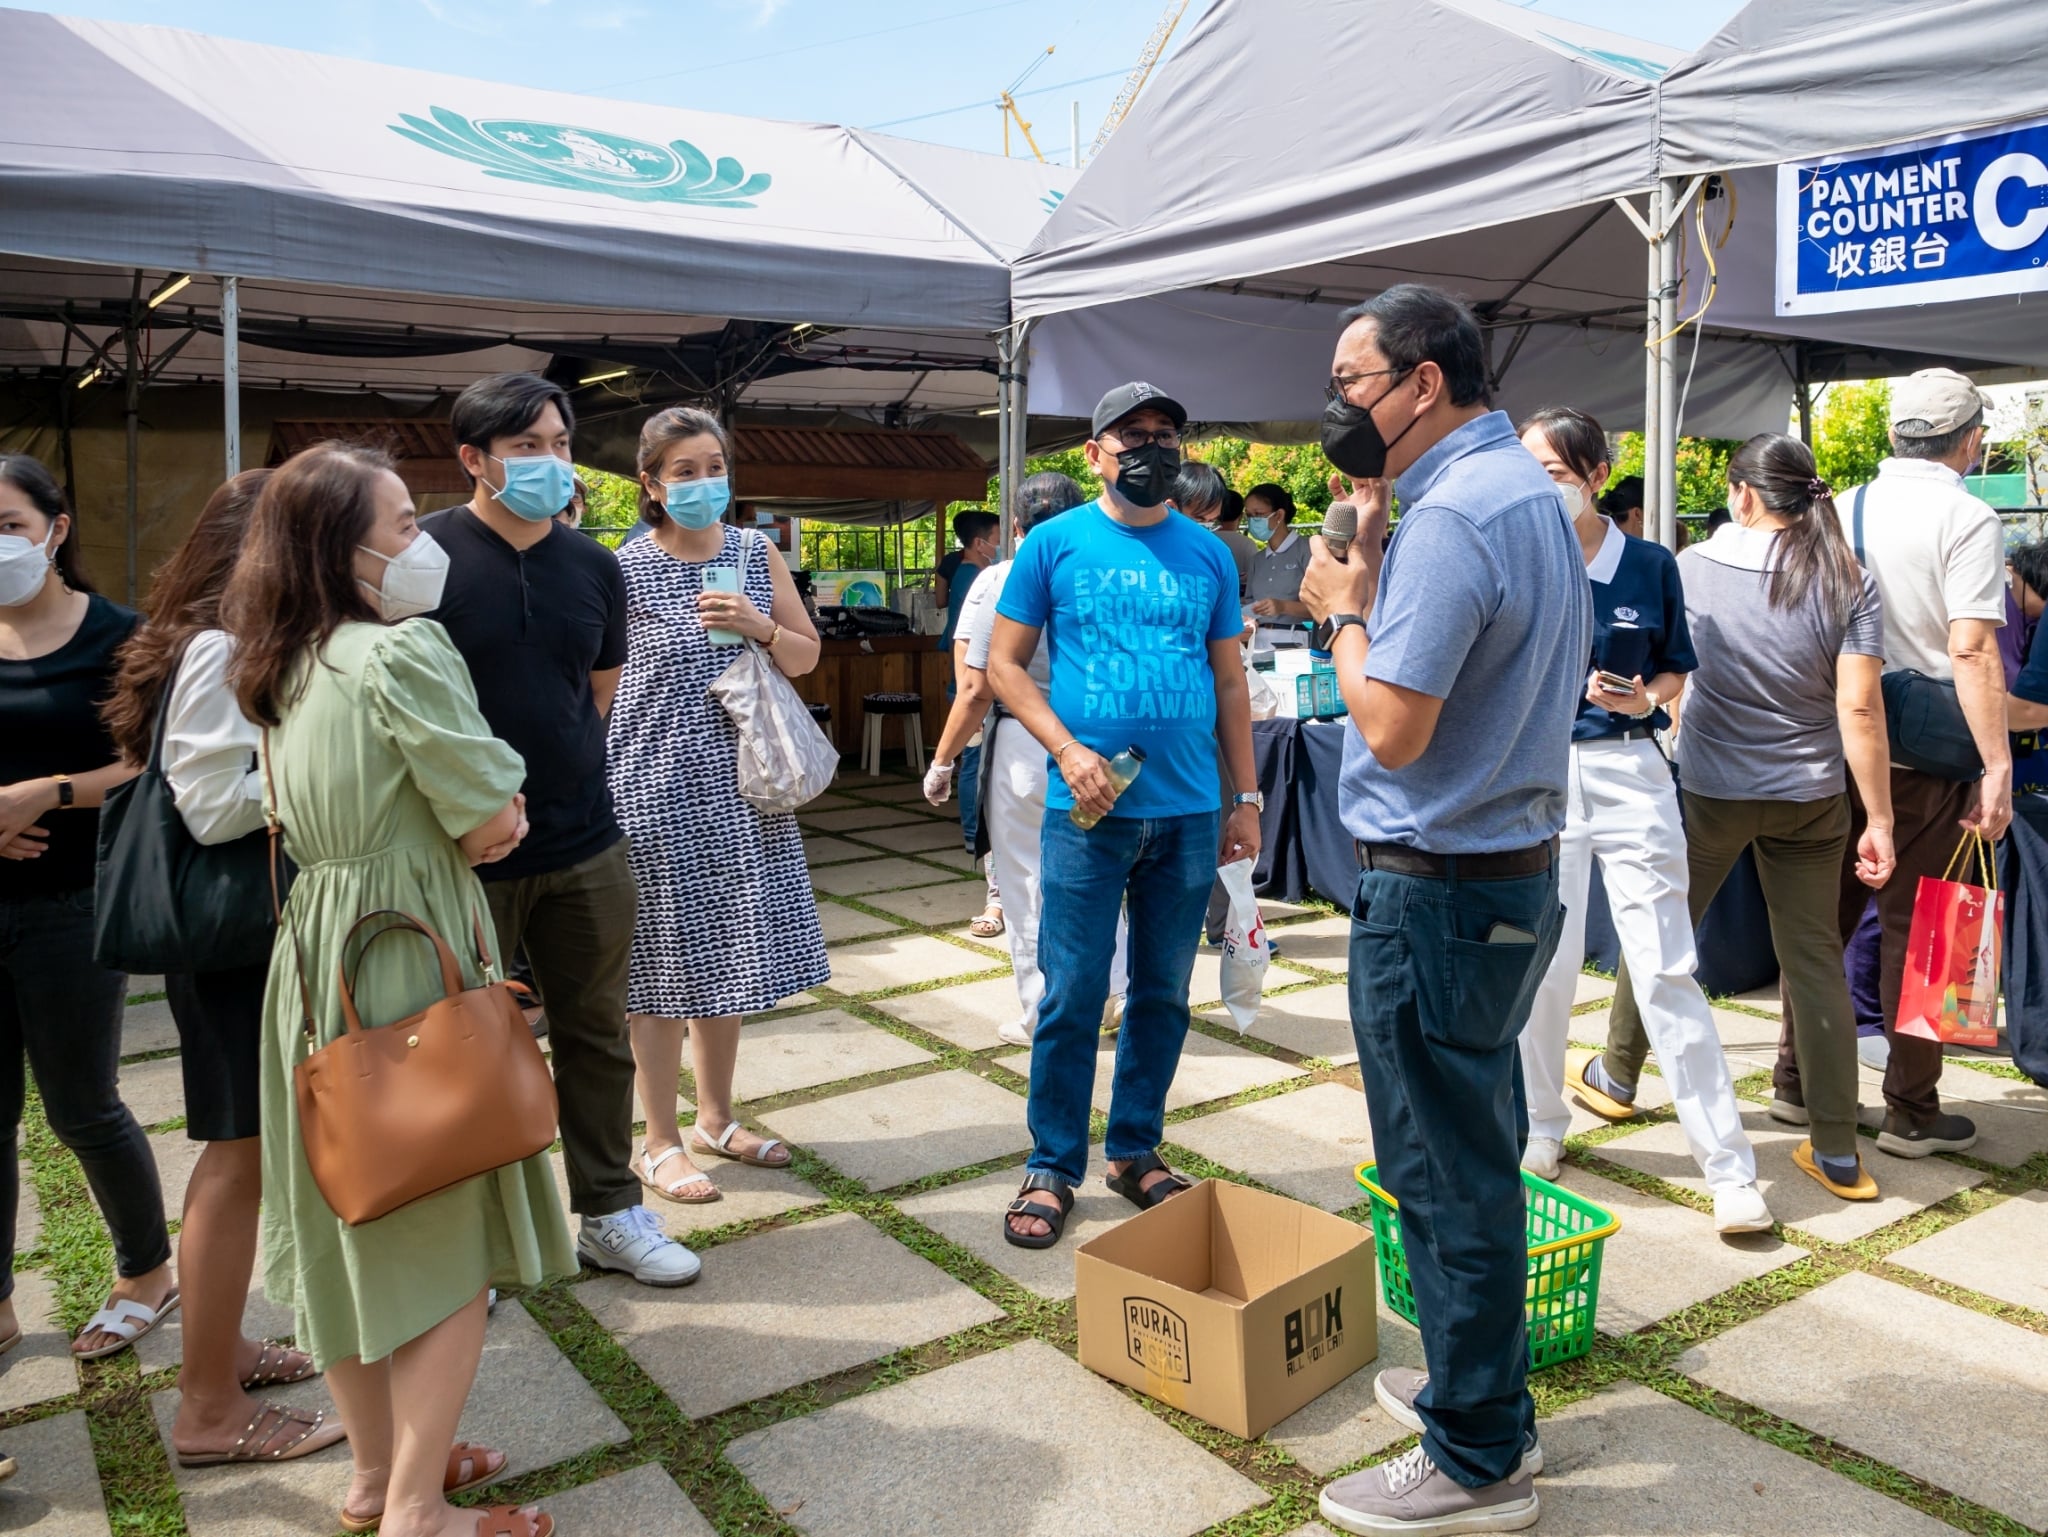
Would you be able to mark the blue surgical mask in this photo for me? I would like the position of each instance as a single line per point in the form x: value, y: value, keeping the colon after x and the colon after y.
x: 1260, y: 529
x: 537, y: 488
x: 697, y: 503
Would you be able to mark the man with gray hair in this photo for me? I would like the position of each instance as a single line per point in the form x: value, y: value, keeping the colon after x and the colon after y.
x: 1938, y: 556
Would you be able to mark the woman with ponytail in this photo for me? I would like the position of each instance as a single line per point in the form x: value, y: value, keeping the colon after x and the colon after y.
x: 1790, y: 632
x: 1621, y: 808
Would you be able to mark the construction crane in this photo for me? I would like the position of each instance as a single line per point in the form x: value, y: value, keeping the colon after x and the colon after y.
x: 1007, y: 105
x: 1155, y: 45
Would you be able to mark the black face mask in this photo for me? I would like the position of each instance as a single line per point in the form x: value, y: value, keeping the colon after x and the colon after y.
x: 1352, y: 440
x: 1144, y: 476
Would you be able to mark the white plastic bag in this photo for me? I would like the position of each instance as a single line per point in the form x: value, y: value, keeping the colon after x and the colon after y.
x: 1245, y: 952
x: 1265, y: 697
x: 785, y: 760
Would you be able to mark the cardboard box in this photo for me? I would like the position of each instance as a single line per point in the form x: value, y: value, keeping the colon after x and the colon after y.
x: 1233, y: 1305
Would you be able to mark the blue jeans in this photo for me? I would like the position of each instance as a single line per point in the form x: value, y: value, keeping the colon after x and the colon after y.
x: 1163, y: 870
x: 1435, y: 1011
x: 967, y: 776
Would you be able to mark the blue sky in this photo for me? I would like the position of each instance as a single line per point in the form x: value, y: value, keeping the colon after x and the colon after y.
x: 928, y: 69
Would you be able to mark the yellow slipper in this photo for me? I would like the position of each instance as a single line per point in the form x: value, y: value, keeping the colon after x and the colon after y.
x: 1606, y: 1106
x: 1865, y: 1188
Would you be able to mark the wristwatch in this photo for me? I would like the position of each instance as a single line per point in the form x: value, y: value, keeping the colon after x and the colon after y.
x: 1255, y: 798
x: 1342, y: 621
x: 67, y: 793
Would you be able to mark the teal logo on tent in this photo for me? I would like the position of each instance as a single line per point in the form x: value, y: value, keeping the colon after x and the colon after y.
x: 587, y: 160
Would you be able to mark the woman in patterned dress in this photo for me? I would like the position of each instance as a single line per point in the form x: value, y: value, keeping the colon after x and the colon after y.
x: 727, y: 923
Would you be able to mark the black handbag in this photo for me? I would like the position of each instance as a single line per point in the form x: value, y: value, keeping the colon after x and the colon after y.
x: 1923, y: 717
x: 165, y: 902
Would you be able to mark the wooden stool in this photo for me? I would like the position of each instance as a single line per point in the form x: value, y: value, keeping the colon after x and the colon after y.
x: 876, y: 709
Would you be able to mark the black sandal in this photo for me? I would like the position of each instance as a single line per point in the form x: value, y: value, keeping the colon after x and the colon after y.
x: 1131, y: 1183
x: 1039, y: 1179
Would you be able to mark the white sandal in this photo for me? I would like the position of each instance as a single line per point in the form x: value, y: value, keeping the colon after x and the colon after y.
x: 722, y: 1148
x: 127, y: 1321
x: 647, y: 1173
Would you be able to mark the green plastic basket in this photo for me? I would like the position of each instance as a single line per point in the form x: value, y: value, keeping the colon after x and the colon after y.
x: 1567, y: 1234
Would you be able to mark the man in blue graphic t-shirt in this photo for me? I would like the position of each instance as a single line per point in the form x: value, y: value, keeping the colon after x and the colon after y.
x: 1138, y: 607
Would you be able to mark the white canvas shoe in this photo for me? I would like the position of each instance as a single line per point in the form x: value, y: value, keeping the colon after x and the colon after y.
x: 1741, y: 1209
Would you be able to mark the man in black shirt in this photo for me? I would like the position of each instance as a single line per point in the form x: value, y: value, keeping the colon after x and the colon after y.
x: 539, y: 613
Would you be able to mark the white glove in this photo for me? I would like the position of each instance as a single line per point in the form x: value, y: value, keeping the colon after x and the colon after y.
x: 938, y: 783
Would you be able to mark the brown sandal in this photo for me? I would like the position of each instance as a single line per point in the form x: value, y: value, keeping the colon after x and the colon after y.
x: 268, y: 1423
x: 271, y: 1358
x: 722, y: 1148
x: 470, y: 1454
x: 511, y: 1521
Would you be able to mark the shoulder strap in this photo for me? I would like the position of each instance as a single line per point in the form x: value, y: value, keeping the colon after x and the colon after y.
x: 1856, y: 526
x: 274, y: 812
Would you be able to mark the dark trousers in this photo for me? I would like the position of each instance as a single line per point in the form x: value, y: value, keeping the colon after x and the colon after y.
x: 1435, y: 1011
x: 1798, y: 847
x: 62, y: 1011
x: 1926, y: 812
x: 577, y: 929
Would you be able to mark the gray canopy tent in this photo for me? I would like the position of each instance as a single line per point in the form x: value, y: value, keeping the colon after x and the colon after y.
x: 192, y: 211
x: 1556, y: 176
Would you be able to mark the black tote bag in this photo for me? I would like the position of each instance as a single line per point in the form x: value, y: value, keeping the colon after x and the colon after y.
x: 163, y: 901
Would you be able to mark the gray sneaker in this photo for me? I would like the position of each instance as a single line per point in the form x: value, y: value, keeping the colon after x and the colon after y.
x: 1396, y: 1389
x: 1412, y: 1494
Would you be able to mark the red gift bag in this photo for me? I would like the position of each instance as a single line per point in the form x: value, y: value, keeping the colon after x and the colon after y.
x: 1951, y: 986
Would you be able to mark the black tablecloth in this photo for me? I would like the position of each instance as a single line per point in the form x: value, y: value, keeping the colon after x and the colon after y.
x: 1299, y: 766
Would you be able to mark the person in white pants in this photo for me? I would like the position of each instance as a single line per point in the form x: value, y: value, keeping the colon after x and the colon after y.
x: 1623, y: 809
x: 1014, y: 768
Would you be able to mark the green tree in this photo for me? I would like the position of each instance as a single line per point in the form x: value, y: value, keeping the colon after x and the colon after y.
x: 611, y: 504
x: 1852, y: 431
x: 1702, y: 469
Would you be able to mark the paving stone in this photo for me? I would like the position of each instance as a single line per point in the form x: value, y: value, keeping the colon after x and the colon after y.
x: 1667, y: 1256
x: 1315, y: 1022
x: 1631, y: 1461
x: 801, y: 1051
x: 966, y: 1014
x: 1313, y: 1529
x: 830, y: 801
x: 641, y: 1502
x: 998, y: 948
x: 902, y: 962
x: 860, y: 819
x: 262, y: 1500
x: 148, y: 1027
x: 176, y: 1155
x: 908, y: 1129
x: 28, y: 1216
x: 56, y: 1493
x: 1998, y: 1252
x: 1881, y: 1343
x: 1347, y: 1422
x: 913, y: 835
x: 2011, y: 1117
x: 909, y: 793
x: 840, y: 923
x: 154, y: 1091
x: 782, y: 1308
x: 1591, y: 987
x: 873, y: 875
x: 1905, y: 1185
x: 1072, y: 1457
x: 1205, y: 984
x: 747, y: 1194
x: 1306, y: 1144
x: 262, y: 1319
x: 823, y: 849
x: 1766, y: 999
x: 932, y: 906
x: 145, y: 987
x: 1751, y: 1035
x: 41, y: 1366
x: 952, y: 859
x: 1324, y: 943
x: 971, y: 1214
x: 1209, y: 1069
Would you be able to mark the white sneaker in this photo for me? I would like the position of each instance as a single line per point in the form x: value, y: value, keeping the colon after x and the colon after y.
x: 1741, y: 1209
x: 1014, y: 1032
x: 634, y: 1241
x: 1874, y: 1051
x: 1543, y: 1156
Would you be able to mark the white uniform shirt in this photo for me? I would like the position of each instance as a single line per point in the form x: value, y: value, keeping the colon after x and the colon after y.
x: 210, y: 747
x: 1938, y: 554
x: 978, y: 625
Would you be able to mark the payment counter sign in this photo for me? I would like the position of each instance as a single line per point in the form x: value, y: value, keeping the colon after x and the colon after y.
x: 1962, y: 217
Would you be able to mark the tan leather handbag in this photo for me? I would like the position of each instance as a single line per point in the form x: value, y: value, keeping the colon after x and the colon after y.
x: 396, y: 1112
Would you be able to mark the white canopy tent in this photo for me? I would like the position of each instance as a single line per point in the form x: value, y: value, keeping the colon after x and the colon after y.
x: 1549, y: 173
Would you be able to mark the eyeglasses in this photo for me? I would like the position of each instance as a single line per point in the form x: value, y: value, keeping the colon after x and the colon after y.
x: 1166, y: 437
x: 1340, y: 383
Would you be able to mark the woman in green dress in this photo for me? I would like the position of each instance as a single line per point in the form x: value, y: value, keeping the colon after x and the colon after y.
x: 389, y: 787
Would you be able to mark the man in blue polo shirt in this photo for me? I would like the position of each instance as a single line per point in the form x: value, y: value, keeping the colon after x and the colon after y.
x: 1462, y: 687
x: 1139, y: 610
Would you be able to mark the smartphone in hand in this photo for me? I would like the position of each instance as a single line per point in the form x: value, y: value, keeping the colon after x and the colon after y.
x: 1615, y: 684
x: 722, y: 579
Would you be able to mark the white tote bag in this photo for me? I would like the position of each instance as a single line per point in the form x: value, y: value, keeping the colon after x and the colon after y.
x: 785, y: 760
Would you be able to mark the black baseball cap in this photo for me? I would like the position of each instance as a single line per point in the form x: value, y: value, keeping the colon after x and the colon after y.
x: 1126, y: 398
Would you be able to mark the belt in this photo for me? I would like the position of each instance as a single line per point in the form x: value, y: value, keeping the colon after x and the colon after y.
x: 1632, y: 734
x: 1399, y: 859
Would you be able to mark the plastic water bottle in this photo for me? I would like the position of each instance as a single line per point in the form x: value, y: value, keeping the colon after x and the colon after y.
x: 1123, y: 768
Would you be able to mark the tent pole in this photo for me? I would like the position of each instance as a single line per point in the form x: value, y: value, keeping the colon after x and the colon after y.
x: 1802, y: 374
x: 231, y: 373
x: 1667, y: 366
x: 65, y: 390
x: 1653, y: 416
x: 1006, y: 469
x: 133, y: 370
x: 1020, y: 412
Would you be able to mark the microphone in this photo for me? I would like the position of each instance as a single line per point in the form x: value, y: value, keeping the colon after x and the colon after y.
x: 1340, y: 527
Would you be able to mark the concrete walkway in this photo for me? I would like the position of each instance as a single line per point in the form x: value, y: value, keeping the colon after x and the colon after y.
x: 865, y: 1357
